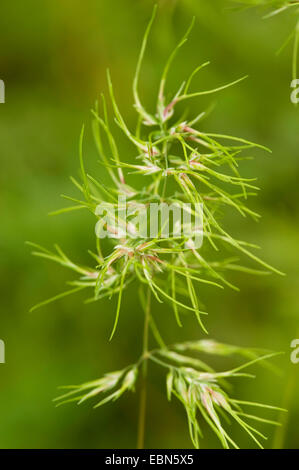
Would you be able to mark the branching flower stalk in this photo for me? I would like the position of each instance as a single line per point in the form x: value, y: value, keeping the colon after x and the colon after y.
x: 277, y: 7
x: 171, y: 152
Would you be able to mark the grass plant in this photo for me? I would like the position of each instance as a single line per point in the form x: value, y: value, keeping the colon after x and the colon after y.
x: 178, y: 163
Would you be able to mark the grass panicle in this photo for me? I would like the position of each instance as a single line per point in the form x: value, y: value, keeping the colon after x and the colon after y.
x: 204, y: 168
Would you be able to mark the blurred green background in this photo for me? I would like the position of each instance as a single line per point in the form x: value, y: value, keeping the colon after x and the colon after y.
x: 53, y: 60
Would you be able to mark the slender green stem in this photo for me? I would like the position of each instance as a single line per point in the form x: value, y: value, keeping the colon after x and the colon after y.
x: 143, y: 392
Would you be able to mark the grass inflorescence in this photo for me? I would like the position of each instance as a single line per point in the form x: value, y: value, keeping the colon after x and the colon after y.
x: 178, y: 163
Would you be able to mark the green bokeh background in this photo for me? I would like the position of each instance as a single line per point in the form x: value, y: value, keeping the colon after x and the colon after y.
x: 53, y: 60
